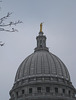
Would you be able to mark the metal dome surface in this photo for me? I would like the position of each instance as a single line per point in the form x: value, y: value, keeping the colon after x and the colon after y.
x: 42, y: 76
x: 42, y: 63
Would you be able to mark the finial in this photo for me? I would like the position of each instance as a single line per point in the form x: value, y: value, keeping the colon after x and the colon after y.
x: 41, y: 27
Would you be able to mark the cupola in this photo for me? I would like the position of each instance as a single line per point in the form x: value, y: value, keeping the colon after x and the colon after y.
x: 41, y: 40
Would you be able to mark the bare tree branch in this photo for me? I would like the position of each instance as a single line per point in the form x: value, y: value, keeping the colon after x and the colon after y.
x: 12, y: 30
x: 4, y: 26
x: 5, y: 17
x: 11, y: 23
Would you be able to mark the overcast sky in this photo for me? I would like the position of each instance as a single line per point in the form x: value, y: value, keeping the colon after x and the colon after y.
x: 59, y: 17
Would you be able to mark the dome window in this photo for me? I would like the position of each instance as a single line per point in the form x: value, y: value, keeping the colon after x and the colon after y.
x: 17, y: 94
x: 56, y: 90
x: 69, y: 92
x: 39, y: 89
x: 64, y: 91
x: 40, y: 41
x: 47, y: 89
x: 23, y: 91
x: 30, y: 90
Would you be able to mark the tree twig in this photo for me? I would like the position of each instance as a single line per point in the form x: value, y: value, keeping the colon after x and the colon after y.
x: 3, y: 25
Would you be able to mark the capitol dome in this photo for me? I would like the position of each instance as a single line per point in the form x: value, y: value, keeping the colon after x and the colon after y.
x: 42, y: 76
x: 42, y: 63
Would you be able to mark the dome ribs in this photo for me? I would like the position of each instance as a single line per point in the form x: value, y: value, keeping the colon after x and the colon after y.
x: 67, y: 73
x: 29, y: 64
x: 54, y: 69
x: 47, y: 66
x: 26, y: 66
x: 32, y: 65
x: 59, y: 69
x: 60, y: 65
x: 21, y: 70
x: 39, y: 63
x: 42, y: 63
x: 50, y: 64
x: 63, y: 69
x: 35, y: 63
x: 18, y: 72
x: 24, y: 69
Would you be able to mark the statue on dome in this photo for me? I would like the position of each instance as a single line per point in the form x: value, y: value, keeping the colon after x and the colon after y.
x: 41, y: 27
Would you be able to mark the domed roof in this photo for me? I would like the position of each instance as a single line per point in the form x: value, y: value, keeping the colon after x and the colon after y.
x: 42, y: 63
x: 42, y: 75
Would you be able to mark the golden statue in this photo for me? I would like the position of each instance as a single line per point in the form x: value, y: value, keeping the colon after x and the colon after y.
x: 41, y: 27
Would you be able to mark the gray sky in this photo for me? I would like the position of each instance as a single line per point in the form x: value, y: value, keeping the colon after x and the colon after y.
x: 59, y: 17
